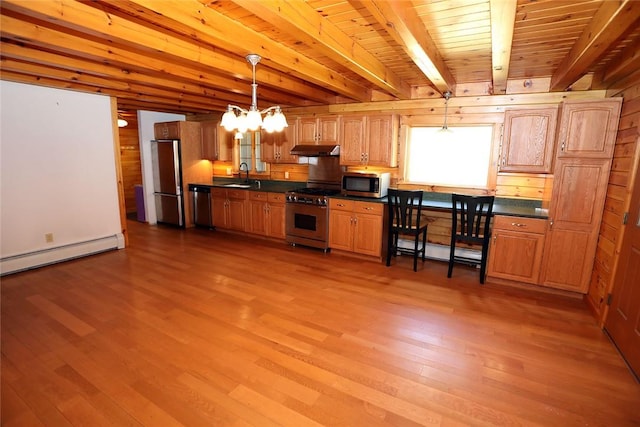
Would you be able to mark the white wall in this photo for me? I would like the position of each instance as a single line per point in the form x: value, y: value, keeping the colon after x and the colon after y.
x: 146, y: 120
x: 57, y: 169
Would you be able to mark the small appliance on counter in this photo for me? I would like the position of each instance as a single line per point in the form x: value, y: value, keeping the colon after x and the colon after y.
x: 366, y: 184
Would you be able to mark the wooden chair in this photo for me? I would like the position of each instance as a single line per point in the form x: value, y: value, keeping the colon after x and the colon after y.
x: 405, y: 207
x: 471, y: 218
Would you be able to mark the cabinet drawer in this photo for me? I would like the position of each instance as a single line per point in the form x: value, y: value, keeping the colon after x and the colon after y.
x: 514, y: 223
x: 341, y: 204
x: 258, y: 195
x: 276, y: 197
x: 237, y: 194
x: 369, y: 208
x: 218, y: 192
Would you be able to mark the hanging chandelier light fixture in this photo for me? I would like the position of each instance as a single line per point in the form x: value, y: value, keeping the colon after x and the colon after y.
x: 445, y: 127
x: 241, y: 120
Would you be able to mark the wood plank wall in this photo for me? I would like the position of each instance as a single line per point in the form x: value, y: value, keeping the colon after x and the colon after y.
x: 130, y: 158
x: 624, y: 176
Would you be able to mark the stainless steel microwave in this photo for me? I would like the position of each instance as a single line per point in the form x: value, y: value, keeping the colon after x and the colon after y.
x: 366, y: 184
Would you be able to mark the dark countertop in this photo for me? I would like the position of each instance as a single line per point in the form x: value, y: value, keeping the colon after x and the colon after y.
x: 501, y: 206
x: 433, y: 201
x: 265, y: 185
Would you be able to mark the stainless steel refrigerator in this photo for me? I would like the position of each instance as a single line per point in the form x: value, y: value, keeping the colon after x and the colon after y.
x: 167, y: 181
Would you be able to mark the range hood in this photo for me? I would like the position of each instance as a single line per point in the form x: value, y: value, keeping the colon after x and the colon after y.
x: 316, y: 150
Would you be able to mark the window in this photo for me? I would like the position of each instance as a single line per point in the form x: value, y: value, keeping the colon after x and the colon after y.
x: 250, y: 151
x: 458, y: 158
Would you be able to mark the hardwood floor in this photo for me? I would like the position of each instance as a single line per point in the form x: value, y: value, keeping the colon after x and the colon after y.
x: 201, y: 328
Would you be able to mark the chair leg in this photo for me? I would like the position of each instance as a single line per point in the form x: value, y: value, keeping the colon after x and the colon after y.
x: 415, y: 252
x: 424, y: 243
x: 483, y: 262
x: 451, y: 255
x: 390, y: 247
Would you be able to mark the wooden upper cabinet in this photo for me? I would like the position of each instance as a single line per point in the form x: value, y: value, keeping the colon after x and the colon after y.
x: 166, y: 130
x: 352, y: 140
x: 588, y: 128
x: 217, y: 143
x: 528, y: 140
x: 369, y: 140
x: 318, y: 130
x: 276, y: 147
x: 382, y: 132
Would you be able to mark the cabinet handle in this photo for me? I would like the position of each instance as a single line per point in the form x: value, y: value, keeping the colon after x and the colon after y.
x: 562, y: 146
x: 517, y: 224
x: 550, y: 222
x: 368, y: 209
x: 341, y: 205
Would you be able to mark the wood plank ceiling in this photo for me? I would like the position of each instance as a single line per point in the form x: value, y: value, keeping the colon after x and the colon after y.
x: 188, y: 56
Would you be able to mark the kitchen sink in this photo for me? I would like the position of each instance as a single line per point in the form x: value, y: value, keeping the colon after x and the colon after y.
x: 238, y: 185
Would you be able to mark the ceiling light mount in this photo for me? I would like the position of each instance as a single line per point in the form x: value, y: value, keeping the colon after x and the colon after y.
x: 447, y: 95
x: 241, y: 120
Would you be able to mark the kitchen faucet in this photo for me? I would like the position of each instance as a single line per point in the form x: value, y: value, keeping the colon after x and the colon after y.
x: 240, y: 170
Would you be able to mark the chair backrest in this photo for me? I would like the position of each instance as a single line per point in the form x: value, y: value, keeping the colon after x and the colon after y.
x: 471, y: 217
x: 405, y: 207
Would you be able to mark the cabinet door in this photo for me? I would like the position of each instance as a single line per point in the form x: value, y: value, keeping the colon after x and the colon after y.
x: 268, y: 147
x: 275, y: 221
x: 588, y: 128
x: 516, y: 256
x: 224, y: 148
x: 328, y: 129
x: 257, y: 214
x: 352, y: 143
x: 166, y: 130
x: 218, y: 210
x: 236, y: 214
x: 368, y: 234
x: 286, y: 141
x: 209, y: 140
x: 528, y: 138
x: 307, y: 130
x: 575, y: 213
x: 382, y: 140
x: 341, y: 230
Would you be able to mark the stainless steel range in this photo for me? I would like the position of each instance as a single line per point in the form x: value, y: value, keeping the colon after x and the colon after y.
x: 307, y: 209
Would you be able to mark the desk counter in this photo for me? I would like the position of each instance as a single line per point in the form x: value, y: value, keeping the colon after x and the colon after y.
x: 502, y: 206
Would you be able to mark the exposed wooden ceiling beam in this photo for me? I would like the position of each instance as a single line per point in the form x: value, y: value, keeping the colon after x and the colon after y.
x: 406, y: 28
x: 214, y: 28
x: 134, y: 37
x: 174, y: 103
x: 108, y: 85
x: 300, y: 19
x: 612, y: 20
x: 503, y: 15
x: 624, y: 65
x: 146, y: 77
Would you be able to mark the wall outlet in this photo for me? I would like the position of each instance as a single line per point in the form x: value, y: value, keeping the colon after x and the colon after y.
x: 48, y: 237
x: 286, y: 175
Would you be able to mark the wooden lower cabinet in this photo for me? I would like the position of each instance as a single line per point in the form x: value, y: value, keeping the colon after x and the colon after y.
x: 266, y: 214
x: 356, y: 226
x: 579, y: 191
x: 516, y: 248
x: 228, y: 208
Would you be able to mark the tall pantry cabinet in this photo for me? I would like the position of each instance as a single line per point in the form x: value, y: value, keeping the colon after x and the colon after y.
x: 585, y: 142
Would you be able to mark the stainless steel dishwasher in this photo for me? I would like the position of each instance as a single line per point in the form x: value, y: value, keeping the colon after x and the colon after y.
x: 201, y: 197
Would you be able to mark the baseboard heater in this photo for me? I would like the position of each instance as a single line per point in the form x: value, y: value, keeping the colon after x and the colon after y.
x: 17, y: 263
